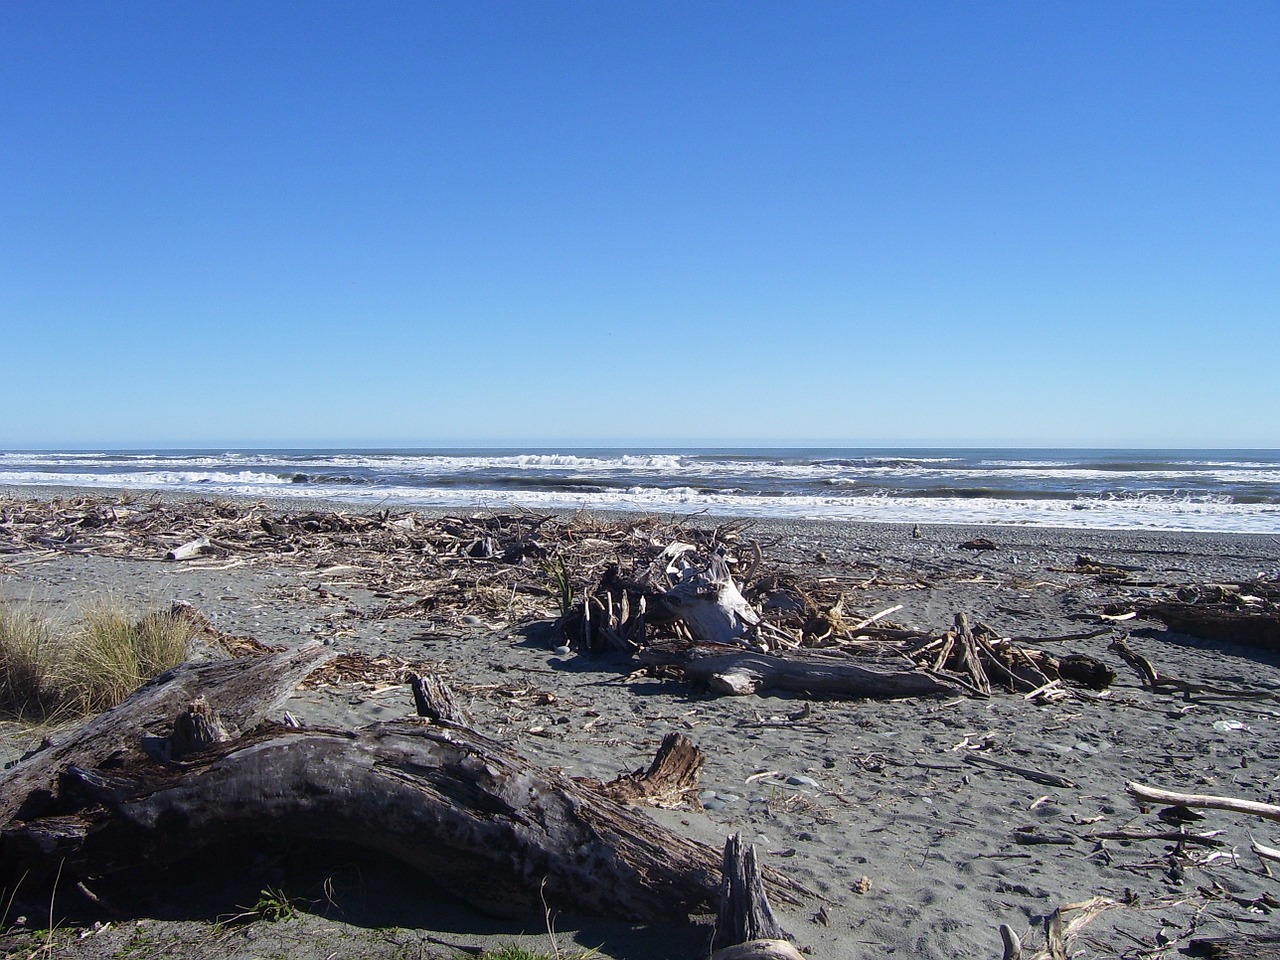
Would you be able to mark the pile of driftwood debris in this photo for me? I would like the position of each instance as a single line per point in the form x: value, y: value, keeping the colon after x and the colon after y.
x: 700, y: 604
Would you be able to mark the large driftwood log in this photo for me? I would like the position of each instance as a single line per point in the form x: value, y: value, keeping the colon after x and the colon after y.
x: 1244, y: 613
x: 477, y: 818
x: 815, y: 672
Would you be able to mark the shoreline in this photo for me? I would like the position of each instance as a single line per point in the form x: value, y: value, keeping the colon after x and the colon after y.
x: 907, y: 510
x: 1016, y: 532
x: 912, y: 850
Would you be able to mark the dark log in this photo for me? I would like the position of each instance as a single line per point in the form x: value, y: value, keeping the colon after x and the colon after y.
x: 1086, y: 670
x: 1264, y: 947
x: 467, y: 811
x: 1223, y: 622
x: 463, y: 809
x: 815, y: 672
x: 243, y: 691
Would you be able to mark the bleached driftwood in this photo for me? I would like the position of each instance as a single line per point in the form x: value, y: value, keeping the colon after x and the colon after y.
x: 189, y: 550
x: 708, y: 600
x: 1270, y: 811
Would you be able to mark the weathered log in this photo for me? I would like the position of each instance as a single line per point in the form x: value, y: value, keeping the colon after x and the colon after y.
x: 463, y: 809
x: 1247, y: 614
x: 243, y: 691
x: 814, y: 672
x: 467, y: 811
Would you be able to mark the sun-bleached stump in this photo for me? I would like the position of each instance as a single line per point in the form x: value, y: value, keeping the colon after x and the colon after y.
x: 710, y: 603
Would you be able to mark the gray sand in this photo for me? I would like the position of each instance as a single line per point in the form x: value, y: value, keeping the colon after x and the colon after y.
x: 913, y: 851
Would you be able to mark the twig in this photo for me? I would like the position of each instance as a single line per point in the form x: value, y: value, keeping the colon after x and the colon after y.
x: 1048, y: 779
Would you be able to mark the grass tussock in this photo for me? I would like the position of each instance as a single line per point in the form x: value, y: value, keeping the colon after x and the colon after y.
x: 50, y: 675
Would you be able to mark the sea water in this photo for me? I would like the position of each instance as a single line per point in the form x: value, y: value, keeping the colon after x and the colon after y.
x: 1205, y: 490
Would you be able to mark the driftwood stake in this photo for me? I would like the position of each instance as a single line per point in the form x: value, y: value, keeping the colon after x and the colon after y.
x: 745, y: 926
x: 433, y: 699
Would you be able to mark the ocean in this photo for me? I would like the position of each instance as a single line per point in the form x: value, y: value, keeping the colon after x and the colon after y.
x: 1197, y: 490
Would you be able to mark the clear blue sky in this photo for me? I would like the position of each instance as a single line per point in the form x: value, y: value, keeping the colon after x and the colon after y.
x: 264, y: 223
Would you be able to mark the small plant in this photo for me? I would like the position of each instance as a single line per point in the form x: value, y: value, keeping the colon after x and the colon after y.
x: 113, y: 654
x: 31, y: 657
x: 513, y: 952
x: 272, y: 905
x: 561, y: 584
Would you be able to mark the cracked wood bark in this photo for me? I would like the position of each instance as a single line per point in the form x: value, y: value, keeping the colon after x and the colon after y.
x: 243, y: 691
x: 467, y: 811
x: 807, y: 672
x: 671, y: 777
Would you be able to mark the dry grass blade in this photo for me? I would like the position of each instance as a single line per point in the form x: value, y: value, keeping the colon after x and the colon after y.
x: 48, y: 675
x: 30, y: 656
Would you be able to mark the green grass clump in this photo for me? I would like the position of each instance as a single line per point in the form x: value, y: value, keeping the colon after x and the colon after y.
x: 30, y: 658
x: 50, y: 676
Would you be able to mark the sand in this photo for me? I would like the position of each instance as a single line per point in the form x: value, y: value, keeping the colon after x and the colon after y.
x: 912, y: 850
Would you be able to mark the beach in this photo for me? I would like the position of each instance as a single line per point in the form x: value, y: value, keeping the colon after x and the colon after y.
x: 876, y: 806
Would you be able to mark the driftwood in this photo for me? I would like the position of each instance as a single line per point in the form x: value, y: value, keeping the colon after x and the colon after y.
x: 467, y: 811
x: 1059, y: 931
x: 1245, y: 613
x: 708, y: 601
x: 189, y: 550
x: 670, y: 779
x: 746, y: 928
x: 246, y: 691
x: 1146, y: 794
x: 1264, y: 947
x: 816, y: 672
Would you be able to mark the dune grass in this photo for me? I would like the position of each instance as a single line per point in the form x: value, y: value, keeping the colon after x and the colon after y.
x: 49, y: 675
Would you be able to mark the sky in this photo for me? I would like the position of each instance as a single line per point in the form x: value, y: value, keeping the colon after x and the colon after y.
x: 571, y: 222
